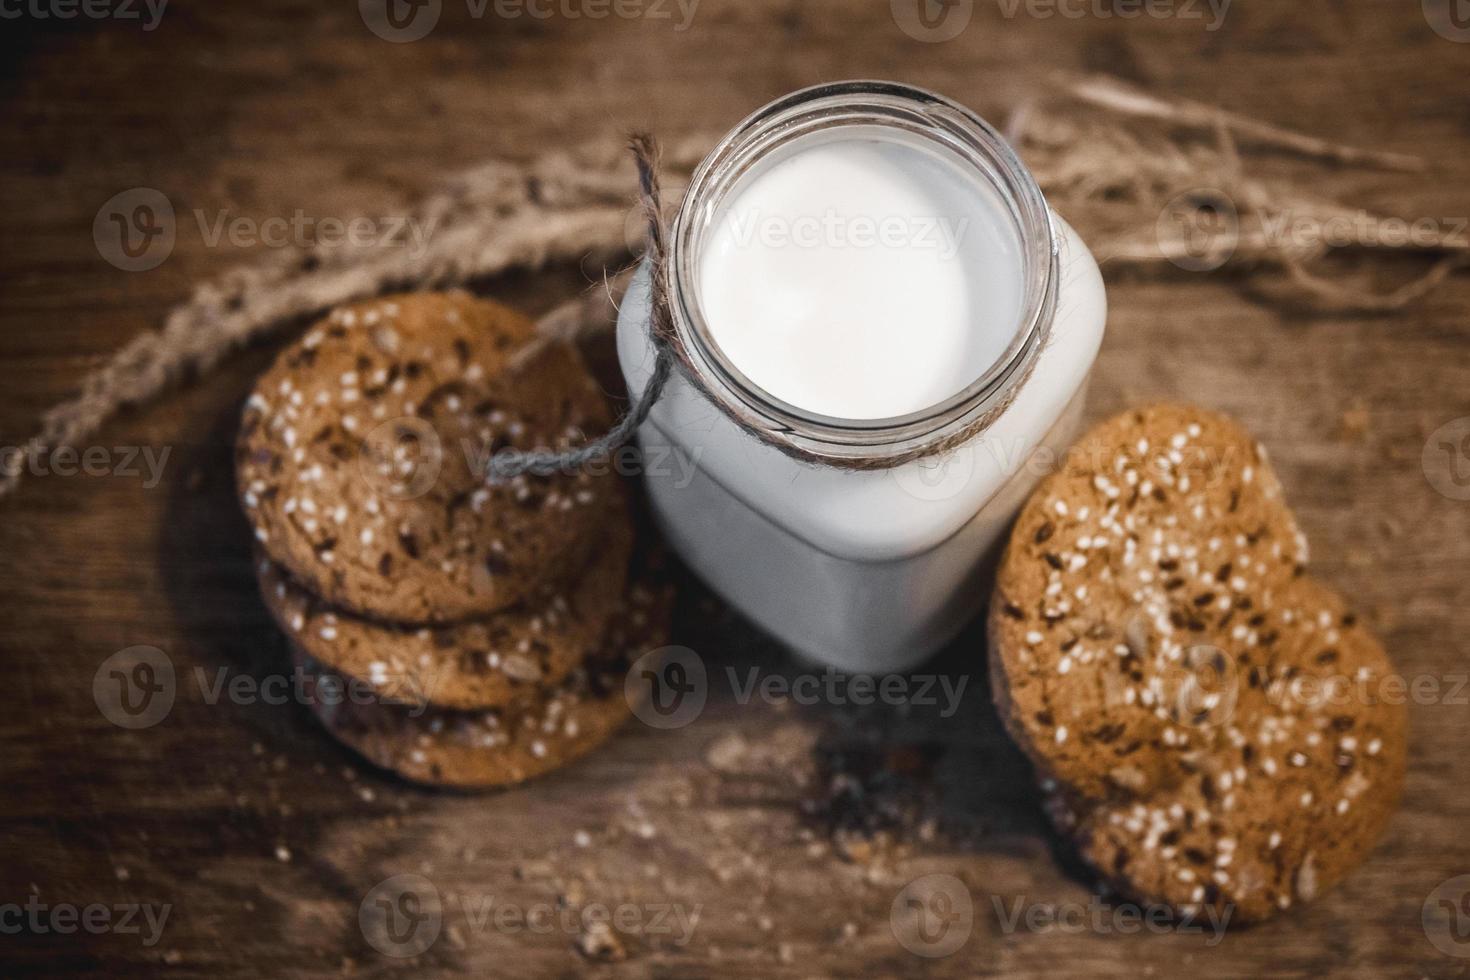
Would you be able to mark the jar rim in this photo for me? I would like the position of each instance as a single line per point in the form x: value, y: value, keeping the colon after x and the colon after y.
x: 885, y: 105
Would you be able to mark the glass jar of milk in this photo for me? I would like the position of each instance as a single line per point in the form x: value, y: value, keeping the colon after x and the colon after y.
x: 860, y: 270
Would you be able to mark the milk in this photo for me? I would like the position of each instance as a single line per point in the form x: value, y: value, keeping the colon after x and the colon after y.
x: 862, y: 275
x: 857, y: 270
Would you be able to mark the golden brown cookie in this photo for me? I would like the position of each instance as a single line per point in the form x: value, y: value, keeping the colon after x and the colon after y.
x: 1280, y: 817
x: 486, y: 749
x: 482, y: 663
x: 1151, y: 607
x: 363, y: 451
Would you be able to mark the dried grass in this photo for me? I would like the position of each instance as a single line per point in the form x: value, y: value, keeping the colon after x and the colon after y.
x: 1110, y: 158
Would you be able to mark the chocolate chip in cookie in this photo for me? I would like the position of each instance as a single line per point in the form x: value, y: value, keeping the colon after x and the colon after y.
x: 363, y: 454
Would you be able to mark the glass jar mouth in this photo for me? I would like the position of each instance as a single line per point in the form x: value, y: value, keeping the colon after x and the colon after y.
x: 888, y: 105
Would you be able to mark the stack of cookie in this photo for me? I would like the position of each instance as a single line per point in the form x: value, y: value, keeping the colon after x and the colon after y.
x: 455, y: 630
x: 1206, y: 718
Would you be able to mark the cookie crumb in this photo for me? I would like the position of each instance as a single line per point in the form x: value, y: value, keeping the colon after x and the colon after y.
x: 598, y: 943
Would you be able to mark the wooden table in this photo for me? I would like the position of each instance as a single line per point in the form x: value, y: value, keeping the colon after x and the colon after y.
x: 263, y: 838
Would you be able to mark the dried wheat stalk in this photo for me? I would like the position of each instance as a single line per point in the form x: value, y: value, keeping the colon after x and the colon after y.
x: 1108, y: 156
x: 1114, y: 178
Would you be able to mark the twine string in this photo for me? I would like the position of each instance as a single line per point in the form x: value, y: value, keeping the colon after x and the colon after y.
x: 669, y: 351
x: 511, y: 463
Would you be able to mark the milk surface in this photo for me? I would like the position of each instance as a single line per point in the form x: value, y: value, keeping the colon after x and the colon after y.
x: 861, y: 274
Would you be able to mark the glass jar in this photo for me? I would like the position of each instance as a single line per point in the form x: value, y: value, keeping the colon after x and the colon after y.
x: 866, y: 569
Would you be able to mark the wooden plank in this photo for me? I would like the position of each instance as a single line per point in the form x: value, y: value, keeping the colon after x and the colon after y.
x: 257, y: 110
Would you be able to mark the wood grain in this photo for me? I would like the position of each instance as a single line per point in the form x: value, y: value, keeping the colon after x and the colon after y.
x: 265, y: 838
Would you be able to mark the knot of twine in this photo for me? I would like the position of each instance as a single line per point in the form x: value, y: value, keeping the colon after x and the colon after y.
x: 669, y: 350
x: 511, y: 463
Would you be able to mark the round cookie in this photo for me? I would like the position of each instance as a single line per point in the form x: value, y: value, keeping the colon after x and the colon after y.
x: 475, y: 664
x: 486, y: 749
x: 1280, y: 814
x: 1149, y: 548
x: 362, y: 455
x: 1153, y: 590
